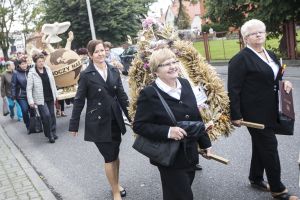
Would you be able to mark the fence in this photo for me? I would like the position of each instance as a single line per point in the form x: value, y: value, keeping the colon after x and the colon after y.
x: 223, y: 45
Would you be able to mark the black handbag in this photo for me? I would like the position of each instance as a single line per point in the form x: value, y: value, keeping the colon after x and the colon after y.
x: 164, y: 152
x: 194, y: 129
x: 285, y: 125
x: 35, y: 125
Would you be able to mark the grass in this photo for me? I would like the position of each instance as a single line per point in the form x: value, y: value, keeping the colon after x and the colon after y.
x: 223, y: 49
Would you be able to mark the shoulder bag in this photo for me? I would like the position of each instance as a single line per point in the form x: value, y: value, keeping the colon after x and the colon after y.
x: 164, y: 152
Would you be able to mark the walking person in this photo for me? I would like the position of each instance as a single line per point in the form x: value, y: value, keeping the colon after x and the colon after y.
x: 41, y: 93
x: 6, y: 90
x: 253, y: 80
x: 153, y: 122
x: 100, y: 85
x: 60, y: 108
x: 18, y: 90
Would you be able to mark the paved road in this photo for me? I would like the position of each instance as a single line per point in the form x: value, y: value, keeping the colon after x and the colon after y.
x: 74, y: 168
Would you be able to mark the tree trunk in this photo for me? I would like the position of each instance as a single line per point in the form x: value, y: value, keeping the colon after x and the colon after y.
x: 179, y: 12
x: 5, y: 54
x: 288, y: 42
x: 283, y: 43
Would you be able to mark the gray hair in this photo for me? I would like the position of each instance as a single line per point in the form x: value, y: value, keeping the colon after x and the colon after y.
x: 248, y: 25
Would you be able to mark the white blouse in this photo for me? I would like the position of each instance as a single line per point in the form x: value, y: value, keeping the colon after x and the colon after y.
x: 269, y: 61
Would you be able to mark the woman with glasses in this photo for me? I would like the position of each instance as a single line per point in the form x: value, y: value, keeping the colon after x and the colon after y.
x: 253, y: 77
x: 153, y: 122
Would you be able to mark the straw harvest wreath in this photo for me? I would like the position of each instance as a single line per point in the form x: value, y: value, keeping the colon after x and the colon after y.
x: 193, y: 67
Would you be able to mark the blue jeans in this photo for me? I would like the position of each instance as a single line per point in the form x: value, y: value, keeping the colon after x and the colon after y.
x: 11, y: 105
x: 48, y: 118
x: 26, y: 112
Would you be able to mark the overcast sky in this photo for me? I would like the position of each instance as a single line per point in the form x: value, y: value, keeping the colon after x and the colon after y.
x: 155, y: 7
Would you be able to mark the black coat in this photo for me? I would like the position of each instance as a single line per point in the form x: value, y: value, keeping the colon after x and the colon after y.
x: 253, y: 91
x: 152, y: 121
x: 18, y: 84
x: 104, y: 103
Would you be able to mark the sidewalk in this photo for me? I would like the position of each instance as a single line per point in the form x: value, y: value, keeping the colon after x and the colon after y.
x: 18, y: 179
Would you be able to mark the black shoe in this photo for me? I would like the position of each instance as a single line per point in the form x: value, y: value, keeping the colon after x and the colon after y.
x: 51, y: 140
x: 123, y: 193
x: 198, y: 167
x: 55, y: 136
x: 28, y: 132
x: 262, y: 185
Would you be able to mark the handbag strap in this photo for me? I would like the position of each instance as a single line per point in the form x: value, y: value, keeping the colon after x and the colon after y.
x: 167, y: 108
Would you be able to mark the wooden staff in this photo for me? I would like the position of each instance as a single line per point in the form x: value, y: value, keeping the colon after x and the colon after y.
x: 219, y: 159
x: 216, y: 157
x: 253, y: 125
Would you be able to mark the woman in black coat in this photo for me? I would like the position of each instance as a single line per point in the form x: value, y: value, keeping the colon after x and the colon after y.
x: 18, y: 90
x: 100, y: 84
x: 152, y: 121
x: 253, y: 77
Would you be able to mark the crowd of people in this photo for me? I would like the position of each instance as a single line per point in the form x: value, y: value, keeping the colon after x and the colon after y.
x: 253, y: 78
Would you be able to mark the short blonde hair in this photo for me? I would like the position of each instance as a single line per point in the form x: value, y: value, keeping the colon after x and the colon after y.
x: 160, y: 56
x: 248, y: 25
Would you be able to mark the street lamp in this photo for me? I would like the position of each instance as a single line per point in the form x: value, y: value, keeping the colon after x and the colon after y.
x: 88, y: 5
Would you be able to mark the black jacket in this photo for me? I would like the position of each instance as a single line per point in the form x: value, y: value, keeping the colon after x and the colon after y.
x: 253, y: 91
x: 19, y: 83
x: 104, y: 103
x: 152, y: 121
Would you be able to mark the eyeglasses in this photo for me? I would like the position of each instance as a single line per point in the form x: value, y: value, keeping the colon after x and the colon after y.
x: 256, y: 33
x: 169, y: 64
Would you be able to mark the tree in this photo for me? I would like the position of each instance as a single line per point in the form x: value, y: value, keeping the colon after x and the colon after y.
x: 277, y: 15
x: 29, y: 16
x: 113, y: 20
x: 230, y: 13
x: 274, y: 13
x: 182, y: 21
x: 7, y: 12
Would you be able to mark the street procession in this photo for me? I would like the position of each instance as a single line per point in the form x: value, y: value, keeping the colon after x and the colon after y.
x: 151, y: 99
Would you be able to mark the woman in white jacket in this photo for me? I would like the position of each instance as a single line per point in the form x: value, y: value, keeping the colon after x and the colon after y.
x: 41, y: 92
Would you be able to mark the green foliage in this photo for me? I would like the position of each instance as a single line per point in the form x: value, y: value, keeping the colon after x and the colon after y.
x: 183, y: 21
x: 113, y: 20
x: 7, y: 17
x: 275, y: 13
x: 229, y: 13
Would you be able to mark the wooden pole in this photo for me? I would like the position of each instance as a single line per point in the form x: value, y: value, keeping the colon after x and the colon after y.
x: 253, y: 125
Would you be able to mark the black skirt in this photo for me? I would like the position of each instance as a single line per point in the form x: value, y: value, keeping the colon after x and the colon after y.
x: 110, y: 150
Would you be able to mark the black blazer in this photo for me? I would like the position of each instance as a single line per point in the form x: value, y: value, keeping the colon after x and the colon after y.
x: 152, y: 121
x: 253, y: 90
x: 104, y: 100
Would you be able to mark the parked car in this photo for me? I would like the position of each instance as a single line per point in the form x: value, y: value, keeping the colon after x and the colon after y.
x: 127, y: 56
x: 117, y: 50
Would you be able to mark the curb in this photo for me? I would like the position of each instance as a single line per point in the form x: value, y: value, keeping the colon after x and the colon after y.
x: 36, y: 181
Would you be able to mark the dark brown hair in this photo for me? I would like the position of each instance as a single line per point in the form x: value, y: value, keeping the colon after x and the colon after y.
x: 107, y: 44
x: 21, y: 60
x: 37, y: 56
x: 91, y: 46
x: 82, y: 51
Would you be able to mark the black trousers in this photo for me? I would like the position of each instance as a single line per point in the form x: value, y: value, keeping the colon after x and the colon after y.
x: 176, y: 183
x: 48, y: 117
x: 265, y: 157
